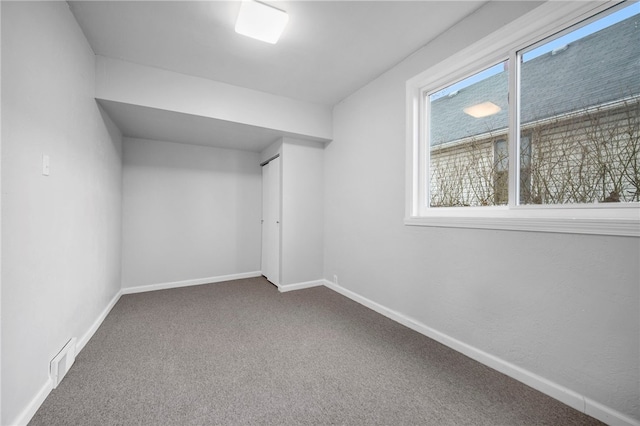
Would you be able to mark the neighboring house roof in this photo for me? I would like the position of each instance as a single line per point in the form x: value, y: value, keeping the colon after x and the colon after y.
x: 597, y: 69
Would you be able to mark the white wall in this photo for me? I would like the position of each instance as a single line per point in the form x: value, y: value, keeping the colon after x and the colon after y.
x: 61, y: 233
x: 302, y: 211
x: 135, y: 84
x: 0, y: 215
x: 564, y: 307
x: 189, y: 212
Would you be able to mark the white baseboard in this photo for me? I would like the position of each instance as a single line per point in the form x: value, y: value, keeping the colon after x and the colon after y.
x: 96, y: 324
x: 554, y: 390
x: 608, y: 415
x: 186, y: 283
x: 283, y: 288
x: 30, y: 410
x: 567, y: 396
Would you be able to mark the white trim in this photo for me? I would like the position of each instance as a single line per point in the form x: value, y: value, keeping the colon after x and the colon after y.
x: 30, y: 410
x: 283, y: 288
x: 552, y: 389
x: 622, y: 219
x: 32, y: 407
x: 607, y: 415
x: 617, y: 227
x: 96, y: 324
x: 540, y: 23
x: 187, y: 283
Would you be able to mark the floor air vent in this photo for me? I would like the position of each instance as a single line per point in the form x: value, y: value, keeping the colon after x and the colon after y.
x: 62, y: 362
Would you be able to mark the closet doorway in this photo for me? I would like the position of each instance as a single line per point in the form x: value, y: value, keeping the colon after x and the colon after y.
x: 271, y: 195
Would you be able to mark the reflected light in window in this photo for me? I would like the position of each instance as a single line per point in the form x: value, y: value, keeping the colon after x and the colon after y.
x: 484, y: 109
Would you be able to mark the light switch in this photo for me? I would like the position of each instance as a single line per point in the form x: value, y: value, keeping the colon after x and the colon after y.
x: 45, y: 164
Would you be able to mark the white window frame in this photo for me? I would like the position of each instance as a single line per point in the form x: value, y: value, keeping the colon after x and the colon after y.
x: 621, y: 219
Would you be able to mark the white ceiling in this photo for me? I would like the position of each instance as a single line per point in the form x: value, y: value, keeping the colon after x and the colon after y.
x: 328, y: 50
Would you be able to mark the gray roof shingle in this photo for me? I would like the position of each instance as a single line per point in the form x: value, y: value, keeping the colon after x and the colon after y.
x: 597, y: 69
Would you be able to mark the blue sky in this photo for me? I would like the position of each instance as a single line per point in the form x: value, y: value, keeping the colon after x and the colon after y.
x: 591, y: 28
x: 606, y: 21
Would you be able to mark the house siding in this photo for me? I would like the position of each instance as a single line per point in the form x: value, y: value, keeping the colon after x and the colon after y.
x: 587, y: 157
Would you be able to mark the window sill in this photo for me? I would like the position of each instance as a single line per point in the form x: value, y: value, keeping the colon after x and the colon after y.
x: 569, y: 222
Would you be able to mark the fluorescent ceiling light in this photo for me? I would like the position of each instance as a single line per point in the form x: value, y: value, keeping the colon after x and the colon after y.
x: 484, y: 109
x: 261, y: 21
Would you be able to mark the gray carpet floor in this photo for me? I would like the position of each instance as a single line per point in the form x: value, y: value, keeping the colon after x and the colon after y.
x: 241, y: 353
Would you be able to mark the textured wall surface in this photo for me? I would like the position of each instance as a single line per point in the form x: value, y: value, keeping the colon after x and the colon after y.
x: 564, y: 307
x: 61, y: 233
x: 189, y: 212
x: 302, y: 211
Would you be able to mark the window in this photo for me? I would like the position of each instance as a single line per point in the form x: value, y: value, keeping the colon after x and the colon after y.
x: 546, y: 134
x: 525, y: 169
x: 464, y: 121
x: 579, y: 98
x: 501, y: 172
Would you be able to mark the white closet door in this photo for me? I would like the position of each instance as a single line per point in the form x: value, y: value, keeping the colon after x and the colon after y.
x: 271, y: 221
